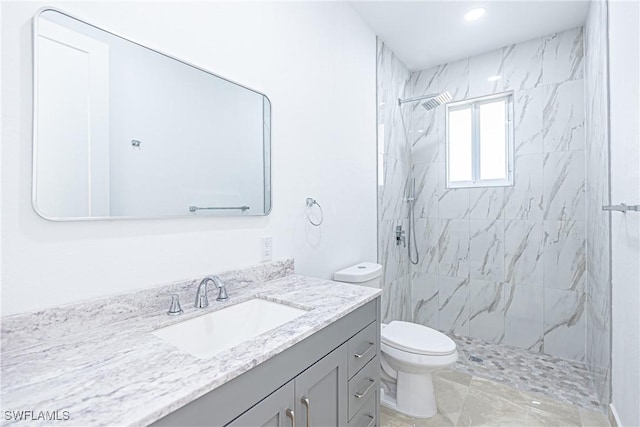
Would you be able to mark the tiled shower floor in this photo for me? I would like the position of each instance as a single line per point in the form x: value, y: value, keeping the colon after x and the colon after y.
x: 564, y: 380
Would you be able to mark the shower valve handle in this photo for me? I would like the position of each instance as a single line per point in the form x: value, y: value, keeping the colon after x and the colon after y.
x: 400, y: 238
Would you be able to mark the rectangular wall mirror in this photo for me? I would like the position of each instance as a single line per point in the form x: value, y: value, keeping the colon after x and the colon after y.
x: 124, y: 131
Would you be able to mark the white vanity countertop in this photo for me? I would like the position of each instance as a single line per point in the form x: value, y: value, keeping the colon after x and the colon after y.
x: 118, y: 373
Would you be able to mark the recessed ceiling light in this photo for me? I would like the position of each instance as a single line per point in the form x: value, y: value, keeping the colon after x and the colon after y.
x: 494, y: 78
x: 474, y: 14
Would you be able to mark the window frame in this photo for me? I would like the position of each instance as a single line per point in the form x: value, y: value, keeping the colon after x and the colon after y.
x: 474, y: 103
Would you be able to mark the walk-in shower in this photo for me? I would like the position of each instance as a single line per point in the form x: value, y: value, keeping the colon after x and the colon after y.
x: 432, y: 101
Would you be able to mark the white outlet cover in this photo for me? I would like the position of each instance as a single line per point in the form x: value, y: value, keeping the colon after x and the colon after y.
x: 266, y: 249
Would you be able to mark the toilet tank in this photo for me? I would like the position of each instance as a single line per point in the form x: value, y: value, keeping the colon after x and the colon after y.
x: 364, y: 273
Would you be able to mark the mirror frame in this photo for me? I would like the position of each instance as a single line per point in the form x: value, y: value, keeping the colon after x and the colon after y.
x: 266, y: 145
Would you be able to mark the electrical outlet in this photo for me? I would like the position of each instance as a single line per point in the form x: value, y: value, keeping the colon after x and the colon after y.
x: 266, y: 248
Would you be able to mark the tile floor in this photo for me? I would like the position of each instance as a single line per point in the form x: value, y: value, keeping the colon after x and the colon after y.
x: 467, y: 400
x: 567, y: 381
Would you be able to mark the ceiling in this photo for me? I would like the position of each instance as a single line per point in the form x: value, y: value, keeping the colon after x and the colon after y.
x: 427, y: 33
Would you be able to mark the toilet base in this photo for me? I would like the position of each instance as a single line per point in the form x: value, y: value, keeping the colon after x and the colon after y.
x: 415, y: 396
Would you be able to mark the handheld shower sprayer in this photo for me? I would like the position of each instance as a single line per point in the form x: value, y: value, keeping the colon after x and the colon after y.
x: 412, y: 225
x: 432, y: 101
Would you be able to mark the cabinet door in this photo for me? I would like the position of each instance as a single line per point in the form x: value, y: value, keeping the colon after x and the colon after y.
x: 276, y: 410
x: 321, y: 392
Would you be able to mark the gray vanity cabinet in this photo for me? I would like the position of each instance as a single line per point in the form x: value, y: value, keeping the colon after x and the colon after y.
x: 317, y: 394
x: 330, y: 379
x: 273, y: 411
x: 321, y: 391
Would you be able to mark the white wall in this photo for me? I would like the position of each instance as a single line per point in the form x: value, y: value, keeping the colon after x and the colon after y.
x: 315, y: 61
x: 624, y: 68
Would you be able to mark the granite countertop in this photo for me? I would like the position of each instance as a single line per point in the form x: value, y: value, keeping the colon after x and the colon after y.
x: 99, y: 361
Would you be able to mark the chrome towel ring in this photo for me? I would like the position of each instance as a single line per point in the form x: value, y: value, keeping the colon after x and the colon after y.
x: 310, y: 203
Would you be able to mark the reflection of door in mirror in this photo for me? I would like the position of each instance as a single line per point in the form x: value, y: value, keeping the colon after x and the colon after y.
x: 73, y: 123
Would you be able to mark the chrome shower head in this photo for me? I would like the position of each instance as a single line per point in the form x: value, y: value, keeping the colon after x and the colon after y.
x: 432, y: 103
x: 432, y: 100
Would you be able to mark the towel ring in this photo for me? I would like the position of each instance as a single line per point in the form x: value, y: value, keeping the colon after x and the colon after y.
x: 310, y: 203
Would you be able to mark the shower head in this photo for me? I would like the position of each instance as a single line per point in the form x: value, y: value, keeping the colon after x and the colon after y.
x: 432, y: 100
x: 432, y: 103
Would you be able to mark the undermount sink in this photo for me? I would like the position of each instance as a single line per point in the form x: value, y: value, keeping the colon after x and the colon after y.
x: 206, y: 335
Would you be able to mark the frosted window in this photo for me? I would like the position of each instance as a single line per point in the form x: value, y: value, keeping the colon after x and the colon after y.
x: 460, y: 145
x: 480, y: 142
x: 493, y: 140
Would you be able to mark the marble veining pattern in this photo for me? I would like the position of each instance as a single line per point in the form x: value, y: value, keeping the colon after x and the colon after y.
x: 486, y: 250
x: 529, y: 128
x: 524, y: 200
x: 523, y: 252
x: 523, y: 65
x: 453, y: 305
x: 563, y: 57
x: 510, y: 249
x: 453, y: 248
x: 564, y: 255
x: 29, y: 329
x: 426, y: 295
x: 486, y: 203
x: 121, y: 374
x: 486, y: 310
x: 394, y: 152
x: 523, y: 322
x: 564, y: 182
x: 564, y: 313
x: 563, y: 116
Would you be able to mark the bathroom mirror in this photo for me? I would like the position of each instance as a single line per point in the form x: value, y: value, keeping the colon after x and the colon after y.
x: 124, y: 131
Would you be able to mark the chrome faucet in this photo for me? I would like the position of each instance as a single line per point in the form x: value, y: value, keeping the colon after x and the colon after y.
x: 202, y: 300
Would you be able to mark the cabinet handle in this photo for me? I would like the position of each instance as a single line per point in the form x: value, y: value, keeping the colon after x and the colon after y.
x: 360, y: 395
x: 291, y: 415
x: 306, y: 403
x: 373, y: 420
x: 359, y: 355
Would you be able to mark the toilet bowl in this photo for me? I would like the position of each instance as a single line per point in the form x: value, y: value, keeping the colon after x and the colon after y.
x: 410, y: 354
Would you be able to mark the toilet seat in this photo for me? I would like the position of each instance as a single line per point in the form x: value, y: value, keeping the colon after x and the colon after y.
x: 413, y: 362
x: 416, y: 339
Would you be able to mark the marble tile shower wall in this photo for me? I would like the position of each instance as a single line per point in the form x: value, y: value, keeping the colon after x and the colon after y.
x: 598, y: 310
x: 507, y: 264
x: 394, y: 168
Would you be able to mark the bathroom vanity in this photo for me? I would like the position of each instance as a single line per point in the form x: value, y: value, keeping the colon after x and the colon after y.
x: 304, y: 385
x: 103, y: 362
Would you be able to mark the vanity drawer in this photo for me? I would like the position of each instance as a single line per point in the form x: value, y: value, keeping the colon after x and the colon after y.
x: 366, y: 416
x: 362, y: 347
x: 363, y: 386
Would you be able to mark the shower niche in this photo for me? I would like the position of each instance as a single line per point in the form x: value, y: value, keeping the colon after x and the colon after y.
x: 125, y: 131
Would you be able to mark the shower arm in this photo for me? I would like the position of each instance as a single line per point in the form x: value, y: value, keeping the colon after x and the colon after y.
x: 417, y: 98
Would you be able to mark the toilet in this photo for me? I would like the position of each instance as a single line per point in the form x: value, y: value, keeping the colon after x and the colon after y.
x: 410, y: 354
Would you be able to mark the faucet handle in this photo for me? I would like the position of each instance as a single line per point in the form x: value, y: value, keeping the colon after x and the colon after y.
x: 222, y: 290
x: 175, y: 308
